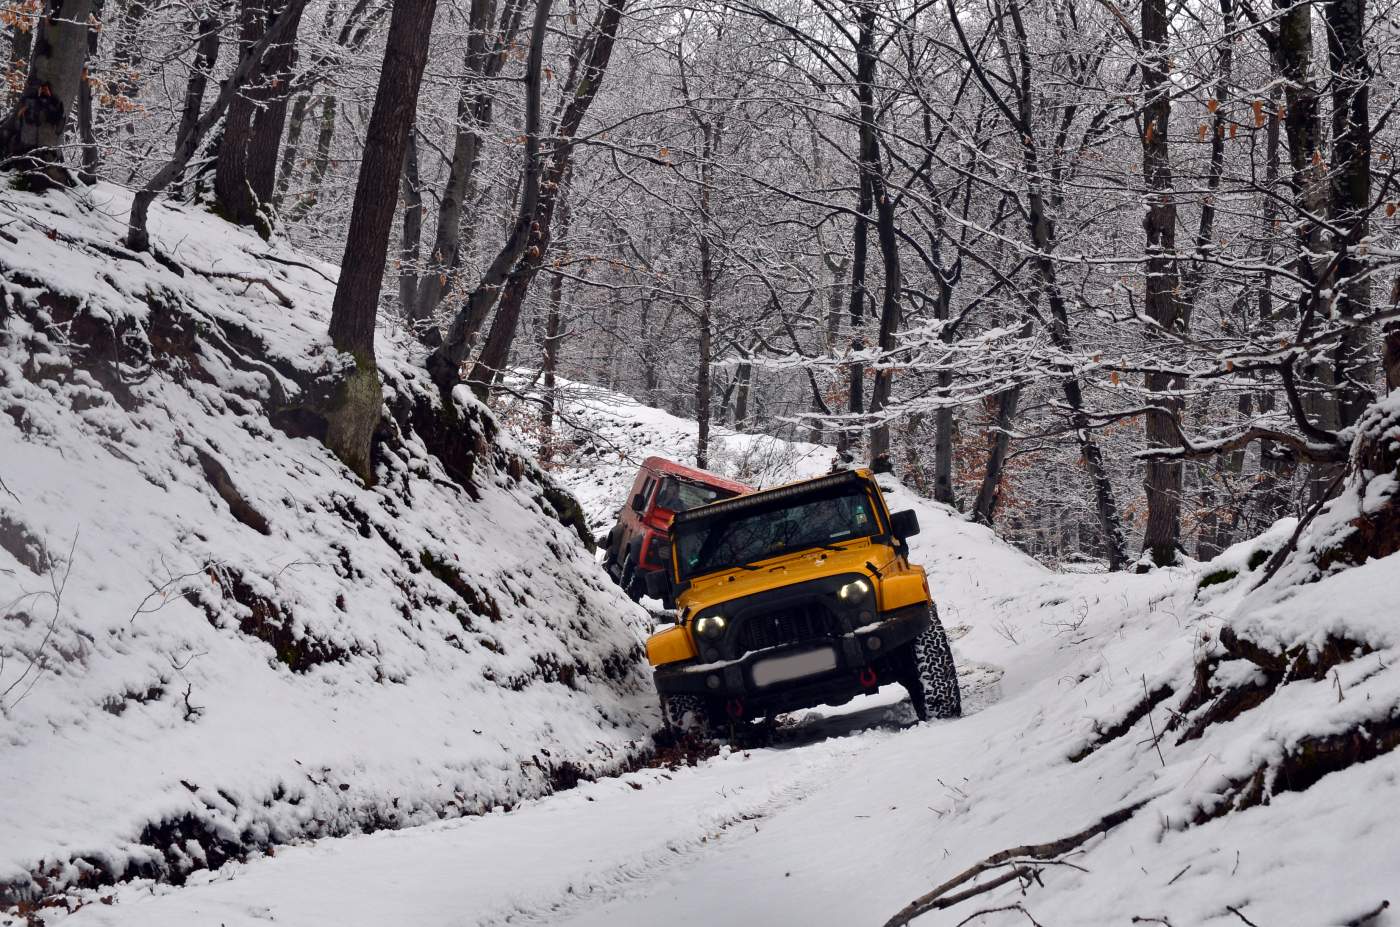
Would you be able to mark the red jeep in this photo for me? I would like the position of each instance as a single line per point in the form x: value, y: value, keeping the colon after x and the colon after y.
x: 662, y: 488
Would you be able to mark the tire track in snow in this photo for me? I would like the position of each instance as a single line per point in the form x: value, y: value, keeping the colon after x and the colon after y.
x: 615, y: 882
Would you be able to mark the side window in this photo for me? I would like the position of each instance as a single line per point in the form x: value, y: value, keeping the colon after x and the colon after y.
x: 643, y: 495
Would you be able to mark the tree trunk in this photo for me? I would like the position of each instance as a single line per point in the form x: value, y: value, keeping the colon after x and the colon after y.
x: 208, y: 26
x: 597, y: 45
x: 445, y: 363
x: 91, y: 154
x: 702, y: 374
x: 999, y: 442
x: 322, y: 164
x: 650, y: 381
x: 868, y: 169
x: 1349, y: 176
x: 943, y: 418
x: 137, y: 236
x: 21, y: 43
x: 553, y: 331
x: 1163, y: 479
x: 412, y: 228
x: 292, y: 150
x: 355, y: 410
x: 867, y: 61
x: 474, y: 114
x: 31, y: 135
x: 855, y: 387
x: 1276, y: 468
x: 835, y: 309
x: 889, y: 317
x: 742, y: 387
x: 1303, y: 128
x: 1390, y: 347
x: 705, y: 354
x: 1041, y: 231
x: 245, y: 175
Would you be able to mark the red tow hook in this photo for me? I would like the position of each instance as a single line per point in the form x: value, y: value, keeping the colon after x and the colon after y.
x: 867, y: 677
x: 735, y: 708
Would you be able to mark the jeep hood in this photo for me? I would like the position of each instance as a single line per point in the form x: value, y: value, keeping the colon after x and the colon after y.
x: 813, y: 563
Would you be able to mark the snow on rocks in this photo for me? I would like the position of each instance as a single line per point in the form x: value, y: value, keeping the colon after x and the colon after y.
x: 213, y: 638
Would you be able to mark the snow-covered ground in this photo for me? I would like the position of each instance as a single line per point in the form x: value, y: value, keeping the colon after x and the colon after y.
x: 213, y: 637
x: 854, y: 812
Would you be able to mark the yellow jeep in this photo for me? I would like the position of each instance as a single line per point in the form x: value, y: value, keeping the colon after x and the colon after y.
x: 793, y: 597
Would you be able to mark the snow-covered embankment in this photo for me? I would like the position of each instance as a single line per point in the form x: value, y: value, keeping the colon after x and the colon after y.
x: 213, y: 638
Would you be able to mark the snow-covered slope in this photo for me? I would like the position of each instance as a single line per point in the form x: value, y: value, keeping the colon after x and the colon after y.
x: 212, y: 636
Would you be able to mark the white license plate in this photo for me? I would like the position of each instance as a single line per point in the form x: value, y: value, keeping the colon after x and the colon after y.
x: 794, y: 666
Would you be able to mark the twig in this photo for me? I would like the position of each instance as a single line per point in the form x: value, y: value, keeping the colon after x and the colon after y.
x: 940, y: 897
x: 180, y: 667
x: 1156, y: 740
x: 288, y: 261
x: 282, y: 298
x: 191, y: 711
x: 161, y: 591
x: 36, y: 662
x: 1236, y: 911
x: 1369, y: 916
x: 1152, y: 920
x: 1010, y: 907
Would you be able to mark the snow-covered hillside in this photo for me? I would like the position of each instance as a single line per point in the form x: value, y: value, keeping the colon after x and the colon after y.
x: 213, y: 638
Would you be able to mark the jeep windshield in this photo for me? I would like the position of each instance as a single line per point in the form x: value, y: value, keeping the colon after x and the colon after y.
x: 679, y: 495
x: 828, y: 517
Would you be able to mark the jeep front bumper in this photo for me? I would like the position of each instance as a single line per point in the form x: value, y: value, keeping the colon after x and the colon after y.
x: 801, y: 674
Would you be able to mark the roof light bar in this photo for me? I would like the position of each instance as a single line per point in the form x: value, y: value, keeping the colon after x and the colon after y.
x: 739, y: 503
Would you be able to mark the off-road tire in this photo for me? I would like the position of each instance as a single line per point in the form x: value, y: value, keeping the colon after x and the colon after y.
x: 931, y: 677
x: 610, y: 555
x: 629, y: 580
x: 688, y: 714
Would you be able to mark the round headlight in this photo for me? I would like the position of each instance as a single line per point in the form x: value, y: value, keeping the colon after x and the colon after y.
x: 710, y: 626
x: 853, y: 591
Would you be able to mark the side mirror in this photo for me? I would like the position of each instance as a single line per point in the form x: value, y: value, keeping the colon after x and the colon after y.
x: 905, y: 524
x: 639, y: 502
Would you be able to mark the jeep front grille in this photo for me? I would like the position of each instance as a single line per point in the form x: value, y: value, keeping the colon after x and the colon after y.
x: 791, y: 625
